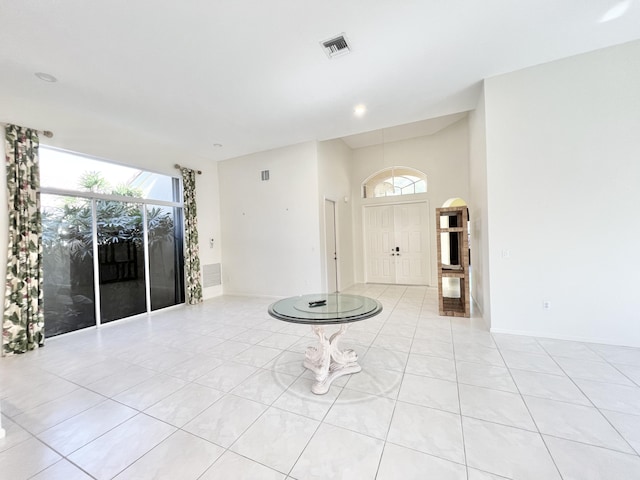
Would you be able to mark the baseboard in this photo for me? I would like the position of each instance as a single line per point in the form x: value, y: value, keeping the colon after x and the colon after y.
x: 571, y: 338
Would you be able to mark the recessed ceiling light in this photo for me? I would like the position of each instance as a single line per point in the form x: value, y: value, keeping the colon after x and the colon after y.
x: 45, y: 77
x: 359, y: 110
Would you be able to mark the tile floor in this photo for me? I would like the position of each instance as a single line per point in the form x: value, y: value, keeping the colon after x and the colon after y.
x: 218, y: 391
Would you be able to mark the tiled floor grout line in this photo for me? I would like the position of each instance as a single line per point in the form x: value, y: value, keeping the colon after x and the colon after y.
x: 224, y: 394
x: 433, y: 408
x: 595, y: 407
x: 393, y: 411
x: 615, y: 366
x: 526, y: 405
x: 156, y: 372
x: 324, y: 417
x: 455, y: 367
x: 36, y: 436
x: 63, y: 457
x: 320, y: 423
x: 591, y: 445
x: 404, y: 304
x: 552, y: 357
x: 310, y: 437
x: 566, y: 375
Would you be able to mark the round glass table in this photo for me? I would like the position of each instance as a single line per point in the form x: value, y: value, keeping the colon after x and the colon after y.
x: 327, y: 361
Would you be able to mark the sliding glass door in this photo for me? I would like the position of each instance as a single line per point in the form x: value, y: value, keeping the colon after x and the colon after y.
x: 67, y: 255
x: 112, y: 244
x: 165, y: 240
x: 120, y: 259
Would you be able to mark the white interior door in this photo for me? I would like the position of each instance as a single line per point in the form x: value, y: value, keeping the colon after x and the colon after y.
x: 331, y: 253
x: 397, y: 243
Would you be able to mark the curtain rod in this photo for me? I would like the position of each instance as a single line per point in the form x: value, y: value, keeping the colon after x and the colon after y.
x: 199, y: 172
x: 46, y: 133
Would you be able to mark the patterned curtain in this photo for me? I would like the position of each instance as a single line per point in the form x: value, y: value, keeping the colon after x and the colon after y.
x: 23, y: 321
x: 191, y: 257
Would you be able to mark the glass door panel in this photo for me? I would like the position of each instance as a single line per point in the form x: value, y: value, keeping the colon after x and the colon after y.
x: 120, y: 259
x: 67, y: 244
x: 166, y: 278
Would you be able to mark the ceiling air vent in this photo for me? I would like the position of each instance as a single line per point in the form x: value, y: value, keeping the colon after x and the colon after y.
x: 336, y: 46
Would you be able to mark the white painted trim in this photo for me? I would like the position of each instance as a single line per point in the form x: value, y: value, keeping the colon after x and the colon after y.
x: 335, y: 239
x: 109, y: 198
x: 147, y: 268
x: 571, y: 338
x: 105, y: 160
x: 96, y: 262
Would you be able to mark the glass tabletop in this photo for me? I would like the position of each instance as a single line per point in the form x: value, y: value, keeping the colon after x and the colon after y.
x: 325, y: 308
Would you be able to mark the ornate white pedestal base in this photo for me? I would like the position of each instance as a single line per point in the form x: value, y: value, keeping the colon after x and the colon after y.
x: 327, y: 361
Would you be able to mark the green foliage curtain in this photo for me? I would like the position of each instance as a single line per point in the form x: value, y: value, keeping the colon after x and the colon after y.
x: 23, y: 321
x: 191, y: 254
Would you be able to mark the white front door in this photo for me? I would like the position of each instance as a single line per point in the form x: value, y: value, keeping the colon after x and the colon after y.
x: 412, y: 238
x: 397, y: 243
x: 380, y: 244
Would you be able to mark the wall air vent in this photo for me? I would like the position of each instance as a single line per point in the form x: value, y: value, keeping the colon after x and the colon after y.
x: 211, y: 275
x: 336, y: 46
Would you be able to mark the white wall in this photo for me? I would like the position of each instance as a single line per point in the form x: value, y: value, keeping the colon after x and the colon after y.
x: 443, y: 156
x: 334, y: 183
x: 208, y: 205
x: 478, y: 211
x: 270, y: 230
x: 563, y: 176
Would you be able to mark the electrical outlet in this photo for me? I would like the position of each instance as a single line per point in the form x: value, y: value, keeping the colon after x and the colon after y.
x: 546, y: 304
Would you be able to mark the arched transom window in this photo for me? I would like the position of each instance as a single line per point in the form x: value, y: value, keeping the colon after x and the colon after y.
x: 395, y: 181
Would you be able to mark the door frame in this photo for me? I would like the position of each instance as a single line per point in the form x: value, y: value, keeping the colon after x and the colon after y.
x: 363, y: 217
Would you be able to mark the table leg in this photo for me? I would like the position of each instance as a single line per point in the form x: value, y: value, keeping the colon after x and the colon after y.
x: 327, y: 361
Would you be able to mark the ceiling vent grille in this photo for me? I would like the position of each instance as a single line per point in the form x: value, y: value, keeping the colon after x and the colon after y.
x: 336, y: 46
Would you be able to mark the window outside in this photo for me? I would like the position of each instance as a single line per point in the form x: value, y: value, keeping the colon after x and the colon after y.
x: 395, y: 181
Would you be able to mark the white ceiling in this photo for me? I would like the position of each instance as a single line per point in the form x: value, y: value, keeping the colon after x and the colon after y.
x: 251, y: 74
